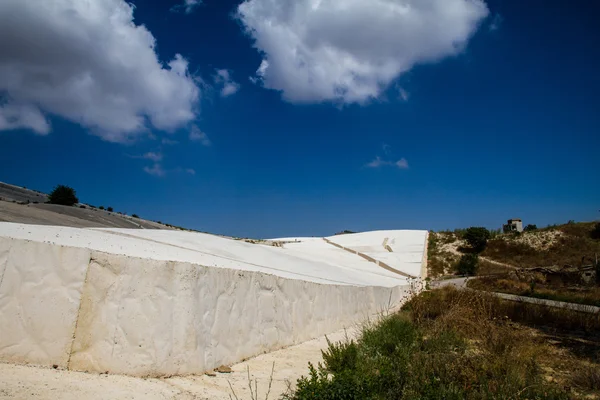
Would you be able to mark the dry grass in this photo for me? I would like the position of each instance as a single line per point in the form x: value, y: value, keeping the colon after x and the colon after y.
x: 569, y: 244
x: 504, y: 283
x: 459, y: 344
x: 565, y: 345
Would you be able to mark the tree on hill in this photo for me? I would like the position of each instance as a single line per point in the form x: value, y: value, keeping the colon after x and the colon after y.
x: 468, y: 265
x: 109, y: 209
x: 477, y: 238
x: 63, y: 195
x: 344, y: 232
x: 530, y: 227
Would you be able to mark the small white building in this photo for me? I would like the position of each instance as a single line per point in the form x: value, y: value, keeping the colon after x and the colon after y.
x: 513, y: 225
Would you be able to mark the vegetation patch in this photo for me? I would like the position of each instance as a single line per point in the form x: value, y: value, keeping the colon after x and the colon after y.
x: 570, y: 244
x: 537, y: 288
x: 439, y: 260
x: 63, y: 195
x: 451, y: 344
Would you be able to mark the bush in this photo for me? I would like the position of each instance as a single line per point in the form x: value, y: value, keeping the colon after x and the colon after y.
x: 477, y: 238
x: 530, y: 227
x: 135, y: 216
x: 63, y: 195
x: 596, y: 231
x: 109, y: 209
x: 101, y: 208
x: 435, y: 349
x: 468, y: 264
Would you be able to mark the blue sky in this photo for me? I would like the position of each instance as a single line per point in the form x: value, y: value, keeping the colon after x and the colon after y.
x: 435, y: 120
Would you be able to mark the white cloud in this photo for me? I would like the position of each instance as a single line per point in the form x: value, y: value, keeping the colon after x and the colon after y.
x: 23, y: 116
x: 401, y: 163
x: 349, y: 51
x: 378, y: 162
x: 496, y: 23
x: 196, y: 135
x: 155, y: 170
x: 403, y: 94
x: 88, y: 62
x: 190, y: 171
x: 169, y: 142
x: 188, y: 6
x: 228, y: 86
x: 153, y: 156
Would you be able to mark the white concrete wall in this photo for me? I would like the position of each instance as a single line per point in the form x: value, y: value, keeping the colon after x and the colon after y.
x: 40, y: 291
x: 93, y: 311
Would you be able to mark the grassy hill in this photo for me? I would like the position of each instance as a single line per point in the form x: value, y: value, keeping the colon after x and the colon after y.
x: 569, y: 244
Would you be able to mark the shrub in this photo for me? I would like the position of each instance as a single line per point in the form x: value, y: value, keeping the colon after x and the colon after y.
x: 596, y: 231
x: 82, y: 206
x: 135, y: 216
x: 530, y: 227
x: 435, y: 349
x: 101, y: 208
x: 468, y: 264
x: 109, y: 209
x: 477, y: 238
x: 63, y: 195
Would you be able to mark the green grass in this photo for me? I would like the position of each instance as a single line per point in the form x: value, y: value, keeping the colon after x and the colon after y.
x: 447, y: 344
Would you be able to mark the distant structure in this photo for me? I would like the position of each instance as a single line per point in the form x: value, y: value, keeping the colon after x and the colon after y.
x: 513, y: 225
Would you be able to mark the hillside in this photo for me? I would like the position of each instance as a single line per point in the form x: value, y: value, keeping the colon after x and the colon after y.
x: 21, y: 205
x: 570, y: 244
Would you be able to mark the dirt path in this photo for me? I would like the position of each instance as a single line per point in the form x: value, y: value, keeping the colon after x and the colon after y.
x: 27, y: 382
x: 453, y: 248
x: 501, y: 264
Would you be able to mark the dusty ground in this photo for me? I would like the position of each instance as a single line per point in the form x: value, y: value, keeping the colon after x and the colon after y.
x: 26, y: 206
x: 51, y: 214
x: 27, y: 382
x: 19, y: 194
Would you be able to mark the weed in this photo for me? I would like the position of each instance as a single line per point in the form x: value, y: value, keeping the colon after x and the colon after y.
x: 444, y: 344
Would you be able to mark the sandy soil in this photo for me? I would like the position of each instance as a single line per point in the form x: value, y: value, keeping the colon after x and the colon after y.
x: 28, y: 382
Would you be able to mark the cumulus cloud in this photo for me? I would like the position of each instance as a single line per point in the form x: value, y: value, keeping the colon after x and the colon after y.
x: 196, y: 135
x: 349, y: 51
x: 88, y: 62
x: 23, y: 116
x: 228, y: 86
